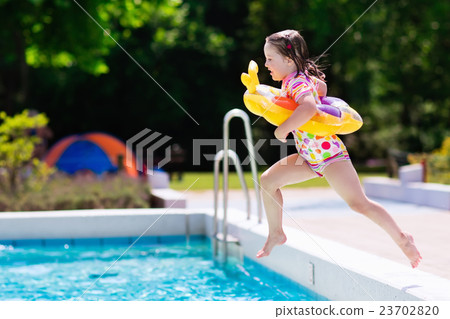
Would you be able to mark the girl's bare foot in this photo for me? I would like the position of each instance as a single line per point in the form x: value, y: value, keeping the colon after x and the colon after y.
x: 410, y: 250
x: 272, y: 241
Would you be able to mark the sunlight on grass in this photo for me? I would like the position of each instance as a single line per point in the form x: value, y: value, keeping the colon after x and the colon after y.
x: 206, y: 181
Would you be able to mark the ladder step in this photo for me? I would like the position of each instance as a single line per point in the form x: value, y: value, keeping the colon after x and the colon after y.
x: 229, y: 239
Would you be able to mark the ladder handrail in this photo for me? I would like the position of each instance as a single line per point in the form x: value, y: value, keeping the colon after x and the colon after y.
x: 235, y: 159
x: 226, y: 154
x: 249, y: 139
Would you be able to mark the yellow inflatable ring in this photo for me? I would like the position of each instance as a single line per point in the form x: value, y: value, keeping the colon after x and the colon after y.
x: 334, y: 116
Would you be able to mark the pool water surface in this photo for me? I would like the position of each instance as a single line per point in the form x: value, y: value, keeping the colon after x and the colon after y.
x: 177, y: 271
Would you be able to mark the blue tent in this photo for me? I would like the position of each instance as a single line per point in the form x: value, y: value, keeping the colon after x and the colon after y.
x: 85, y: 155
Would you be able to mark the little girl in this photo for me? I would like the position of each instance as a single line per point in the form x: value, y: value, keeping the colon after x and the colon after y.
x: 318, y: 156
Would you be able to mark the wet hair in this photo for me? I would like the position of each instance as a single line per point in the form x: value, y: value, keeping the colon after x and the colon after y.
x: 291, y: 44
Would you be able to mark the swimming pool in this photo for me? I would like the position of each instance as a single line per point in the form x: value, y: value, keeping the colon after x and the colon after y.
x: 64, y: 270
x: 347, y: 274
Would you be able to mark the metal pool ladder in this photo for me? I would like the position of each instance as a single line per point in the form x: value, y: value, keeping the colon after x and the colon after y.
x: 226, y: 154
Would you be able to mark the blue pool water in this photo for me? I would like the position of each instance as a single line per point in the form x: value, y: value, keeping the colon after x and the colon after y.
x: 177, y: 271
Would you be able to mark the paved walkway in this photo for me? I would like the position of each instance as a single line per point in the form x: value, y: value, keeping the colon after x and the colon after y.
x: 322, y: 212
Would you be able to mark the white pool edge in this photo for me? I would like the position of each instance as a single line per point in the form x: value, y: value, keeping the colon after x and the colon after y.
x: 340, y: 272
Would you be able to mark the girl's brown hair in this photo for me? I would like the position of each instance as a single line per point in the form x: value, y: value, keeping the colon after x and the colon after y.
x: 291, y: 44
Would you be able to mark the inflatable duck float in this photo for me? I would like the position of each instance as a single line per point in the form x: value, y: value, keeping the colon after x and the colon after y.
x: 334, y: 116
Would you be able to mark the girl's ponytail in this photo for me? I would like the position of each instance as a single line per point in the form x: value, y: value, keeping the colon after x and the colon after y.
x: 313, y: 69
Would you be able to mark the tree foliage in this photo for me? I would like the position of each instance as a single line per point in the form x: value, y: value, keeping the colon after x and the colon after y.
x: 19, y: 171
x: 389, y: 65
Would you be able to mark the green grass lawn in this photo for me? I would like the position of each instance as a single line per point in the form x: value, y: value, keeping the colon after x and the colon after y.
x: 206, y: 181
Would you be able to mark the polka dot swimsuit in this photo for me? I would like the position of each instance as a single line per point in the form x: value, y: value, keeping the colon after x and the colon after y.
x: 318, y: 151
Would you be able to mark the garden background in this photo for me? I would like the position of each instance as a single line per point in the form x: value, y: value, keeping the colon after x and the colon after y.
x: 391, y: 66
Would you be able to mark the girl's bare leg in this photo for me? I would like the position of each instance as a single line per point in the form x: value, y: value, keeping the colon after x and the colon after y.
x: 289, y: 170
x: 344, y: 179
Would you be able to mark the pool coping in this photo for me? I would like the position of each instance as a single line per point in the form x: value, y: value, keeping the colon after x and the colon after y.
x: 331, y: 269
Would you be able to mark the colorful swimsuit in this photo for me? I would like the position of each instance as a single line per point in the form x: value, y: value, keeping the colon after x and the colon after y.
x: 318, y: 151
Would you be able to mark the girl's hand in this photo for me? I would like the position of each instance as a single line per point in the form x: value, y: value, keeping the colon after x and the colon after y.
x: 322, y: 89
x: 280, y: 134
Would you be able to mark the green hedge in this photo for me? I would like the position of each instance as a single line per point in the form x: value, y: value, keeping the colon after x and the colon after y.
x: 82, y: 192
x: 437, y: 163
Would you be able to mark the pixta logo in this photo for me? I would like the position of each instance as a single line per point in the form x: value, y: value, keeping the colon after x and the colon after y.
x: 146, y: 143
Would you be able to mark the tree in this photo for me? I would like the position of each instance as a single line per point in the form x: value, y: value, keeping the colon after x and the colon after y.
x: 63, y: 34
x: 19, y: 171
x: 57, y: 60
x: 43, y: 33
x: 84, y: 81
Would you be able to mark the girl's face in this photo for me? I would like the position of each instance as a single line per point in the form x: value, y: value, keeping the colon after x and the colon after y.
x: 278, y: 65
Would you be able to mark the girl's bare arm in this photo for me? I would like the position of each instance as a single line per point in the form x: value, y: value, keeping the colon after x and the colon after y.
x: 302, y: 114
